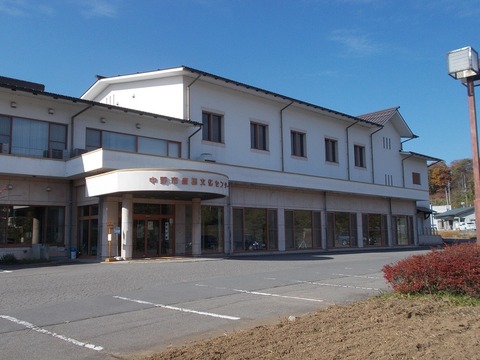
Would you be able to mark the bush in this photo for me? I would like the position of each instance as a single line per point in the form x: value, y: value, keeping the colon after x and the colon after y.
x: 8, y: 259
x: 453, y: 270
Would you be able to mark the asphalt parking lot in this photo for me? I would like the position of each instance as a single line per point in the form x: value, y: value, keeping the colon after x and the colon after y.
x: 91, y: 310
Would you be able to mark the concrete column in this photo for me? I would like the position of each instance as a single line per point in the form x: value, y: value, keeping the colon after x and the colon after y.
x: 196, y: 227
x: 127, y: 226
x: 324, y: 229
x: 281, y: 229
x: 360, y: 230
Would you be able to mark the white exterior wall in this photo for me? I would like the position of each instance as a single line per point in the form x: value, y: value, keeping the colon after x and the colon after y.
x: 387, y: 161
x: 160, y: 96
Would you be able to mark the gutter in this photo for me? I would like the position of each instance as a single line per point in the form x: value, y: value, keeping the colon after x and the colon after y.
x: 403, y: 168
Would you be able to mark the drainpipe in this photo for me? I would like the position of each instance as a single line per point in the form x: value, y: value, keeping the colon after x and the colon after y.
x: 71, y: 192
x: 403, y: 168
x: 404, y: 141
x: 72, y: 124
x: 189, y: 139
x: 281, y: 136
x: 348, y: 149
x: 188, y: 96
x: 371, y: 154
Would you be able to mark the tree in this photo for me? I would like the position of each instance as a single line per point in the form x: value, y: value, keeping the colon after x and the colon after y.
x: 439, y: 177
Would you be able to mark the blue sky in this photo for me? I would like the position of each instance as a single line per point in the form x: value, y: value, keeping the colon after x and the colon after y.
x: 352, y: 56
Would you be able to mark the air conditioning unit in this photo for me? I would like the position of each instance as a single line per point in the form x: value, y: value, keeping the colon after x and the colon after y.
x: 5, y: 148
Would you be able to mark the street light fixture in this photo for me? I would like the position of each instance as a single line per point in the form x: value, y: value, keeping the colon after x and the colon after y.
x: 463, y: 65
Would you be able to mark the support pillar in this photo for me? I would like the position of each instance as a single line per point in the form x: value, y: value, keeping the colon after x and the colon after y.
x: 196, y: 227
x: 127, y: 226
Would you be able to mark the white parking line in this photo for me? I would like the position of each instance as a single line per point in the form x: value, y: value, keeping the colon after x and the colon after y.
x: 5, y: 271
x: 47, y: 332
x: 178, y: 308
x: 276, y: 295
x: 336, y: 285
x: 263, y: 293
x: 359, y: 276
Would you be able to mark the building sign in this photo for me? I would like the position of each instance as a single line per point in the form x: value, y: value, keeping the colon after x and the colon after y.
x: 204, y: 181
x: 209, y: 185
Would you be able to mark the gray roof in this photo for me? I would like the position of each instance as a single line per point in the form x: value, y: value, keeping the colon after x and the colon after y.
x: 460, y: 212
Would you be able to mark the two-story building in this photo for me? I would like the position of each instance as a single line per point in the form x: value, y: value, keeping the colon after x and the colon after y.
x: 183, y: 162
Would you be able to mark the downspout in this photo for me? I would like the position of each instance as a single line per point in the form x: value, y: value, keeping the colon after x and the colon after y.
x: 71, y: 192
x: 282, y: 152
x: 403, y: 168
x: 189, y: 138
x: 348, y: 149
x: 188, y: 114
x: 371, y: 154
x: 188, y: 96
x: 404, y: 141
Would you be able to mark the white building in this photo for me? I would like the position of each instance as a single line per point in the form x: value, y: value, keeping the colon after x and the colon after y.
x: 182, y: 162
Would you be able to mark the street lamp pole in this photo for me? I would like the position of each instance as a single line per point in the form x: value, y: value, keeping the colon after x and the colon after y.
x: 475, y: 160
x: 463, y: 64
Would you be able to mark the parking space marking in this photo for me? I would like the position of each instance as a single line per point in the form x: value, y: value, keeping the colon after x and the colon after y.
x: 5, y: 271
x: 276, y: 295
x: 47, y: 332
x: 263, y: 293
x: 359, y: 276
x: 174, y: 308
x: 336, y: 285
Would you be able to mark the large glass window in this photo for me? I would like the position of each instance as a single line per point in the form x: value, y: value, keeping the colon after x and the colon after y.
x: 302, y: 229
x: 212, y: 229
x: 96, y: 139
x: 27, y: 225
x: 403, y: 232
x: 88, y: 230
x: 341, y: 229
x: 374, y: 230
x: 255, y: 229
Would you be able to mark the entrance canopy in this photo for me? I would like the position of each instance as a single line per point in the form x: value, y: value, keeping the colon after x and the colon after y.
x: 174, y: 184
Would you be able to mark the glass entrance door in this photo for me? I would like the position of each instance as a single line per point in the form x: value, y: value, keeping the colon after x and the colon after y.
x: 146, y: 238
x: 153, y: 237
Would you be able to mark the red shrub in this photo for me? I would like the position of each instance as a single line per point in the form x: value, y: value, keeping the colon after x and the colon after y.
x: 454, y: 270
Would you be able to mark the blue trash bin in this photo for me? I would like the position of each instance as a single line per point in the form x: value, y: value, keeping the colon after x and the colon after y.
x: 73, y: 253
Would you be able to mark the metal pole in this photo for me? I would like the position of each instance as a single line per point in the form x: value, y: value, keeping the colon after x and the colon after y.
x: 475, y: 160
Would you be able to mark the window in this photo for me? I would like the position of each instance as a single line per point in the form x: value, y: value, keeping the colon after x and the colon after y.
x: 359, y: 156
x: 331, y: 150
x: 374, y: 229
x: 96, y: 139
x: 212, y: 127
x: 302, y: 229
x: 255, y: 229
x: 416, y: 178
x: 387, y: 143
x: 88, y: 230
x: 212, y: 229
x: 24, y: 225
x: 298, y: 144
x: 403, y: 234
x: 258, y: 136
x: 5, y: 134
x: 341, y: 229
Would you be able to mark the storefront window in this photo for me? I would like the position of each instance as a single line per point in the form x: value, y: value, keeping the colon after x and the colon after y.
x: 212, y: 229
x: 27, y: 225
x: 255, y: 229
x: 88, y: 230
x: 374, y: 230
x: 341, y: 229
x: 403, y: 229
x: 302, y: 229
